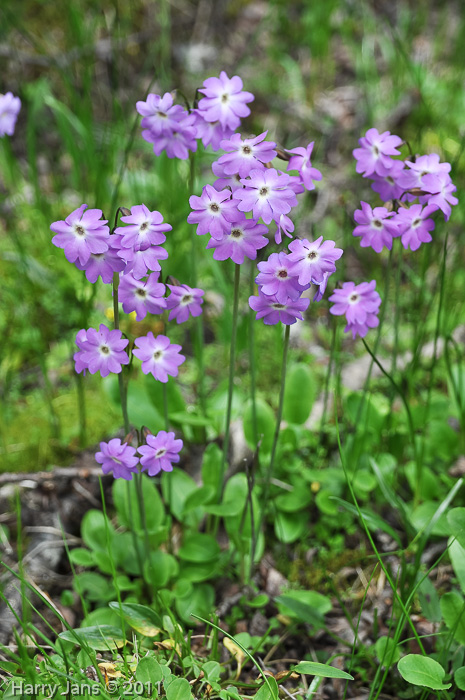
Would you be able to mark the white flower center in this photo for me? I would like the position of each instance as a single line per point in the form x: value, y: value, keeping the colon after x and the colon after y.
x: 187, y: 299
x: 141, y: 293
x: 237, y: 234
x: 157, y: 355
x: 312, y: 256
x: 104, y: 349
x: 144, y: 226
x: 246, y: 150
x: 160, y: 452
x: 416, y: 222
x: 263, y: 192
x: 282, y: 274
x: 354, y: 298
x: 376, y: 223
x: 79, y: 230
x: 278, y: 307
x: 214, y: 208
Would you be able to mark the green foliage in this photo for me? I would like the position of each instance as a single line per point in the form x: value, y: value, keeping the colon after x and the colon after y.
x: 423, y: 671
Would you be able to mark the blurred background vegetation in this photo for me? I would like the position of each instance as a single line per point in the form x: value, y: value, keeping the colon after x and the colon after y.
x: 322, y: 70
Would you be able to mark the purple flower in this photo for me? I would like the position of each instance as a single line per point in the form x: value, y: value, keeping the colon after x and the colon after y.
x: 423, y: 165
x: 276, y: 278
x: 210, y: 133
x: 160, y: 452
x: 184, y: 301
x: 81, y: 234
x: 102, y: 351
x: 140, y: 260
x: 376, y: 227
x: 273, y: 311
x: 160, y: 115
x: 245, y: 238
x: 360, y: 303
x: 118, y: 458
x: 178, y: 143
x: 310, y: 261
x: 283, y: 225
x: 103, y: 264
x: 81, y: 338
x: 231, y: 181
x: 267, y: 194
x: 301, y: 162
x: 145, y: 227
x: 388, y: 186
x: 224, y: 101
x: 142, y: 297
x: 441, y: 187
x: 414, y: 225
x: 374, y: 154
x: 213, y: 212
x: 242, y: 155
x: 159, y: 357
x: 9, y: 110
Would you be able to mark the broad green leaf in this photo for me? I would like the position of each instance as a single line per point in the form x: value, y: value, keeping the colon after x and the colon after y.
x: 457, y: 558
x: 200, y: 602
x: 459, y: 678
x: 149, y: 670
x: 429, y: 600
x: 199, y: 547
x: 102, y: 616
x: 211, y: 467
x: 178, y: 689
x: 103, y: 637
x: 94, y: 532
x: 159, y: 568
x: 202, y: 495
x: 266, y: 423
x: 456, y: 521
x: 127, y: 504
x: 312, y: 668
x: 140, y: 617
x: 423, y: 671
x: 81, y: 557
x: 268, y: 691
x: 299, y: 394
x: 325, y: 502
x: 428, y: 485
x: 372, y: 520
x: 386, y: 650
x: 176, y: 487
x: 304, y: 612
x: 295, y: 500
x: 453, y: 612
x: 290, y: 527
x: 94, y: 586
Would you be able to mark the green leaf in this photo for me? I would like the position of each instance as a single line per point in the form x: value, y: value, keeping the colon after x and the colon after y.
x: 94, y: 586
x: 268, y: 691
x: 299, y: 394
x: 159, y: 568
x: 315, y: 669
x: 200, y: 602
x: 265, y: 425
x: 94, y: 530
x: 102, y: 637
x: 81, y: 557
x: 127, y: 504
x: 176, y: 487
x: 387, y: 652
x: 423, y: 671
x: 179, y: 689
x: 429, y: 600
x: 140, y: 617
x: 459, y: 678
x: 456, y: 521
x: 149, y: 670
x: 211, y: 464
x: 325, y: 503
x: 199, y: 548
x: 295, y: 500
x: 457, y: 558
x: 309, y: 607
x: 290, y: 527
x: 423, y: 514
x: 453, y: 609
x: 372, y: 520
x: 199, y: 497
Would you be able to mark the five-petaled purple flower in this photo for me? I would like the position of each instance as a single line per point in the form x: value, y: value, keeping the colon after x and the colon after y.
x: 245, y: 239
x: 374, y: 154
x: 103, y: 264
x: 275, y: 277
x: 9, y: 110
x: 360, y: 303
x: 224, y: 101
x: 145, y: 227
x: 273, y: 311
x: 267, y: 194
x: 159, y: 357
x: 81, y: 234
x: 300, y: 161
x: 184, y: 301
x: 243, y: 155
x: 142, y: 296
x: 213, y: 212
x: 160, y: 453
x: 414, y: 225
x: 101, y: 351
x: 312, y: 260
x: 118, y: 458
x: 377, y: 227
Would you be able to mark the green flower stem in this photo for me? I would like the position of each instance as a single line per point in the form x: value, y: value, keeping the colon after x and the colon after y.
x: 121, y: 384
x: 252, y: 360
x: 269, y: 472
x: 232, y: 357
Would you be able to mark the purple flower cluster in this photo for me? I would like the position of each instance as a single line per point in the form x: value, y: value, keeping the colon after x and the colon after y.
x: 283, y: 278
x: 159, y: 454
x: 360, y: 303
x: 171, y: 128
x: 423, y: 181
x: 9, y: 110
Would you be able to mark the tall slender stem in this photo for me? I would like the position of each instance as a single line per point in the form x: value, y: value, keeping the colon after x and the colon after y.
x: 269, y: 472
x: 232, y: 358
x: 252, y: 360
x: 121, y: 385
